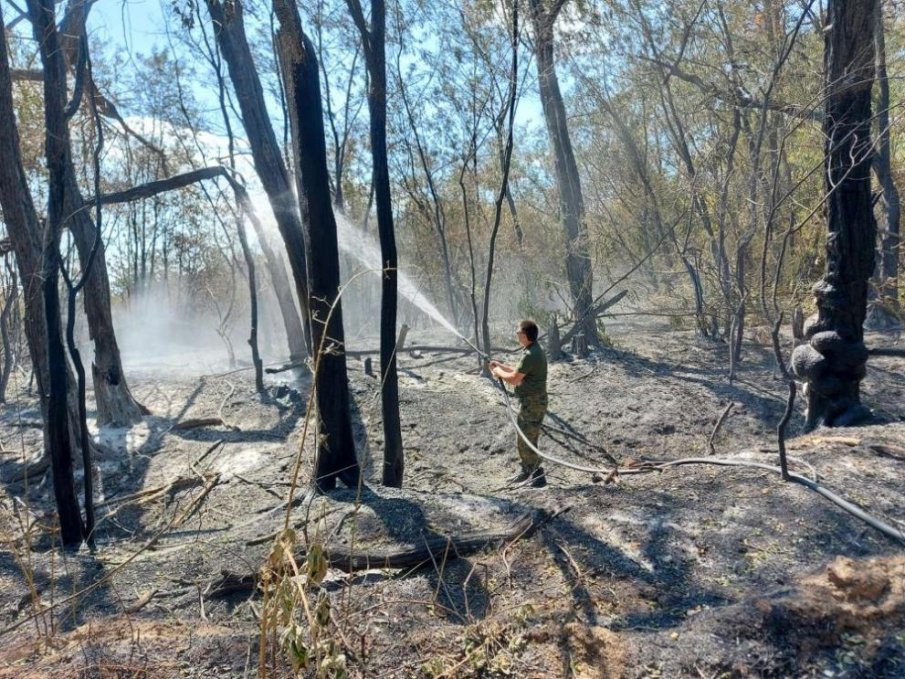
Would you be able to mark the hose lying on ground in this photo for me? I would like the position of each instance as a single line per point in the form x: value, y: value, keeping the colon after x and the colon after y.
x: 646, y: 467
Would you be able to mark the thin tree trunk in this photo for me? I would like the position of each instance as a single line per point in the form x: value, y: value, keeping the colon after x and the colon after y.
x: 253, y: 303
x: 11, y: 300
x: 336, y: 446
x: 374, y: 47
x: 438, y: 215
x: 834, y: 360
x: 882, y: 163
x: 509, y: 112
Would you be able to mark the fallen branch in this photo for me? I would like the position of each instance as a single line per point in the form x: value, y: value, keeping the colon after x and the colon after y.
x: 886, y: 352
x: 596, y: 312
x: 209, y: 486
x: 285, y: 367
x: 194, y: 422
x: 455, y: 546
x: 142, y: 601
x: 27, y: 424
x: 36, y: 468
x: 176, y: 486
x: 207, y: 452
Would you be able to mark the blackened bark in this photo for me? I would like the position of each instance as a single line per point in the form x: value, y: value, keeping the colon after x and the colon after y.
x: 84, y: 436
x: 253, y: 297
x: 336, y: 446
x: 892, y: 206
x: 834, y: 360
x: 25, y: 229
x: 571, y: 202
x: 10, y: 301
x: 265, y: 151
x: 22, y: 224
x: 57, y: 150
x: 115, y: 404
x: 374, y: 47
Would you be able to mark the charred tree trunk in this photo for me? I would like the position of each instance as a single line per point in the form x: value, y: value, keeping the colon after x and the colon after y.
x: 25, y: 230
x: 835, y: 358
x: 230, y: 32
x: 882, y: 162
x: 23, y: 226
x: 57, y: 152
x: 571, y: 201
x: 253, y: 303
x: 336, y: 446
x: 115, y: 404
x: 10, y: 301
x: 374, y: 47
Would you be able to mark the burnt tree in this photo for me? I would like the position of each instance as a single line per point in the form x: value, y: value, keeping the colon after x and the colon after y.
x: 10, y: 302
x: 57, y: 153
x: 834, y: 360
x: 373, y: 41
x: 114, y: 400
x: 568, y: 182
x: 335, y: 444
x: 23, y: 225
x: 229, y: 29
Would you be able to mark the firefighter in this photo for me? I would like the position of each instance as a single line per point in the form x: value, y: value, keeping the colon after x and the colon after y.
x: 529, y: 377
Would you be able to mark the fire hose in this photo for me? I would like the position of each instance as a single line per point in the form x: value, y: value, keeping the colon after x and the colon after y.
x: 650, y: 466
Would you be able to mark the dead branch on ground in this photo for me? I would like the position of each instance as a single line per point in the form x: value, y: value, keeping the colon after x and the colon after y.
x: 455, y: 547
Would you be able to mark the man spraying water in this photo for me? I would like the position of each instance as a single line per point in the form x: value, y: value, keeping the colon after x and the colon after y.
x: 529, y: 377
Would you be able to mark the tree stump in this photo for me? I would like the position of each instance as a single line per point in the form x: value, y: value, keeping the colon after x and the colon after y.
x: 580, y: 345
x: 798, y: 325
x: 554, y: 345
x: 400, y: 342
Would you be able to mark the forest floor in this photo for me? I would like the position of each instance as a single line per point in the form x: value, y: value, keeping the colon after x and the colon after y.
x: 699, y: 571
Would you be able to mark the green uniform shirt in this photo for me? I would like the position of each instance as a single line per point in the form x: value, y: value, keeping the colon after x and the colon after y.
x: 533, y: 365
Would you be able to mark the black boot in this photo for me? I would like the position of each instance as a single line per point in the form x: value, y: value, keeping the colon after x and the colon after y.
x: 521, y: 477
x: 538, y: 478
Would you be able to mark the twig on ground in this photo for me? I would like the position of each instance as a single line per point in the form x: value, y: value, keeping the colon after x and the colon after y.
x: 207, y: 452
x: 716, y: 428
x: 209, y: 486
x: 143, y: 601
x: 262, y: 486
x: 585, y: 375
x: 232, y: 390
x: 572, y: 562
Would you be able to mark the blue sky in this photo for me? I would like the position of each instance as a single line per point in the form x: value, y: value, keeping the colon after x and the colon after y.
x: 134, y: 25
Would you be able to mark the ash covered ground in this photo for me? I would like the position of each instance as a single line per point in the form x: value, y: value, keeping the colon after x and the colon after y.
x: 697, y: 571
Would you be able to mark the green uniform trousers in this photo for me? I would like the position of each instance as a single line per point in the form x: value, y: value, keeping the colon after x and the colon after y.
x: 530, y: 417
